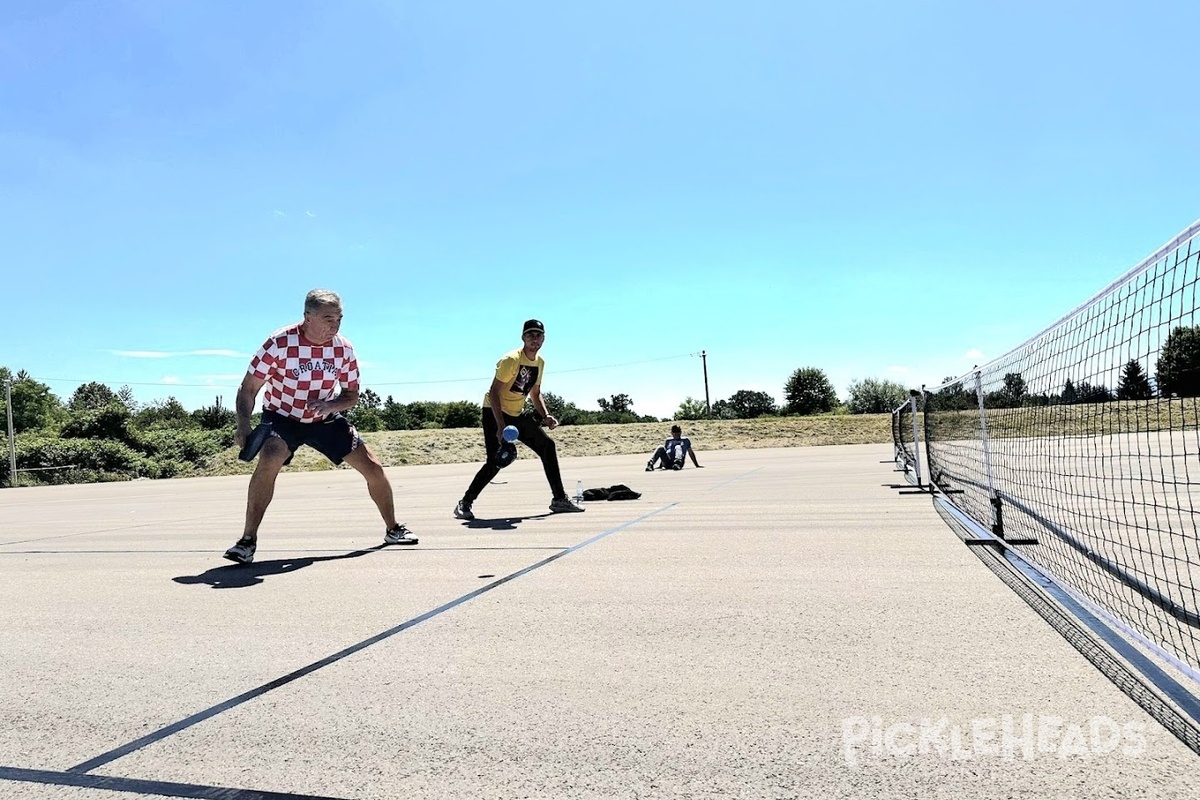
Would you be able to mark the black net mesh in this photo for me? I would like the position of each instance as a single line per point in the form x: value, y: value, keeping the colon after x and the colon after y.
x: 1085, y: 438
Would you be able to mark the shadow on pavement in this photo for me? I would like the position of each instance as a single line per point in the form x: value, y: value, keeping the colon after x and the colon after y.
x: 502, y: 523
x: 237, y: 576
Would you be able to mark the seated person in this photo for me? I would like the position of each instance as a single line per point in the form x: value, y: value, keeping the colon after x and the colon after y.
x: 673, y: 451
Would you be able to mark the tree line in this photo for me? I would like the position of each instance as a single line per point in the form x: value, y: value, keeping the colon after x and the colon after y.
x: 100, y: 433
x: 1177, y: 374
x: 103, y: 434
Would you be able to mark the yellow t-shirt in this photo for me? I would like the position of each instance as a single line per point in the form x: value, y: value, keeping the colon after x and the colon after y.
x: 519, y: 375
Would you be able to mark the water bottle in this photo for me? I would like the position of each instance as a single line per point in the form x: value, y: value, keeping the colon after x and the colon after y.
x: 578, y: 491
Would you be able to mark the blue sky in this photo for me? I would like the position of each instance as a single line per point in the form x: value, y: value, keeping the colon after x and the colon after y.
x: 881, y: 190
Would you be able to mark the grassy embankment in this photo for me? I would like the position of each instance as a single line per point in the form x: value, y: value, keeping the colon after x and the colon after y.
x: 462, y: 445
x: 1120, y: 417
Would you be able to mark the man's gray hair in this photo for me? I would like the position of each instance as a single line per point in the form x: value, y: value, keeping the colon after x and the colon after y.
x: 321, y: 298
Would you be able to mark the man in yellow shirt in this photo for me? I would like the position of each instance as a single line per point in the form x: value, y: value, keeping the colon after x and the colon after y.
x: 518, y: 375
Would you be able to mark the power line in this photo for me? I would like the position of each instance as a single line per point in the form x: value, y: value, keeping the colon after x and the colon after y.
x: 371, y: 383
x: 140, y: 383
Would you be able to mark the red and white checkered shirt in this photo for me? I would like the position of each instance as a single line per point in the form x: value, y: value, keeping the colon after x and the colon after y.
x: 297, y: 371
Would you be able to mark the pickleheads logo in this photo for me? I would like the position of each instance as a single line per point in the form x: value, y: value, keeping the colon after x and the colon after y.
x: 1007, y: 738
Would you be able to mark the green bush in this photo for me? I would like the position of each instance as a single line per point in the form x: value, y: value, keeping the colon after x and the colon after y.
x: 808, y: 391
x: 874, y: 396
x: 80, y: 460
x: 365, y: 419
x: 188, y: 446
x: 156, y: 453
x: 462, y: 414
x: 110, y: 422
x: 168, y: 413
x: 215, y: 417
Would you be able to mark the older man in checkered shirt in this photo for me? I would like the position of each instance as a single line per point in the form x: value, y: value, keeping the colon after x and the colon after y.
x: 311, y: 378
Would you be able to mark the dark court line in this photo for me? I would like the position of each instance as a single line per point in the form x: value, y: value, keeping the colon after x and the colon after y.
x: 101, y: 530
x: 90, y: 500
x: 135, y: 786
x: 208, y: 713
x: 734, y: 478
x: 282, y: 553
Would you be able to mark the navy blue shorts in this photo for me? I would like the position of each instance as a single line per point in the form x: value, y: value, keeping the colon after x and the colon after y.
x: 334, y: 437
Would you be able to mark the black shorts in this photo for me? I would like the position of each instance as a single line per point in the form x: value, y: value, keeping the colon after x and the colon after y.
x: 334, y: 437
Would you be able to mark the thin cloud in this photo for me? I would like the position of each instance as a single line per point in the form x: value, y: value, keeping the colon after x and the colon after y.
x: 171, y: 379
x: 974, y: 352
x: 279, y: 213
x: 897, y: 370
x: 225, y: 353
x: 177, y: 354
x: 309, y: 213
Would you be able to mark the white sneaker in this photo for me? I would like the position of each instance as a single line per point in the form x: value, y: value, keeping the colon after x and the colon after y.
x: 399, y: 535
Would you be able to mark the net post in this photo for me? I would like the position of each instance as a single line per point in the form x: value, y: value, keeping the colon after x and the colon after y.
x: 902, y: 453
x: 997, y: 516
x: 897, y: 445
x: 12, y: 446
x: 912, y: 399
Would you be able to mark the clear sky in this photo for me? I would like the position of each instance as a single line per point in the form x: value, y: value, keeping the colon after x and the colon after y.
x: 891, y: 190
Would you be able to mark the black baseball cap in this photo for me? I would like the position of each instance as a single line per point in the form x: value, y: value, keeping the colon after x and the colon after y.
x: 533, y: 325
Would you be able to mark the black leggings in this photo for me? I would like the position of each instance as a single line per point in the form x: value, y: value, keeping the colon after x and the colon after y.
x: 532, y: 436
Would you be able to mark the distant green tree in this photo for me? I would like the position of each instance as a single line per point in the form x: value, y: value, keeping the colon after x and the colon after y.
x: 366, y: 414
x: 34, y: 405
x: 690, y: 408
x: 1178, y: 363
x: 1134, y: 384
x: 953, y: 396
x: 555, y: 404
x: 618, y: 410
x: 125, y: 398
x: 365, y: 420
x: 92, y: 396
x: 873, y: 396
x: 749, y: 404
x: 110, y: 422
x: 425, y: 414
x: 367, y: 398
x: 567, y: 413
x: 1014, y: 385
x: 215, y: 417
x: 168, y: 413
x: 462, y: 414
x: 1011, y: 396
x: 1093, y: 394
x: 1070, y: 395
x: 617, y: 403
x: 808, y: 391
x: 723, y: 410
x: 395, y: 416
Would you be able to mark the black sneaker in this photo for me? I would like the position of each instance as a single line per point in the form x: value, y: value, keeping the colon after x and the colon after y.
x: 243, y: 551
x: 649, y: 466
x: 561, y: 505
x: 463, y: 511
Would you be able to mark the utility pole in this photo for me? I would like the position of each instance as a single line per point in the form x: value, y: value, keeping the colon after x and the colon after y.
x: 12, y: 445
x: 704, y: 363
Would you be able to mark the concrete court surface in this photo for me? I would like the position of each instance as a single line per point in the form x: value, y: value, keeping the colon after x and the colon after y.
x: 779, y: 624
